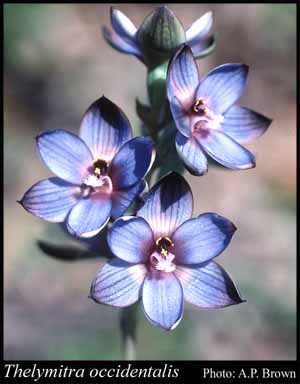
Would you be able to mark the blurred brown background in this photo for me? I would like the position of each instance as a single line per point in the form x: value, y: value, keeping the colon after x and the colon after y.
x: 56, y: 64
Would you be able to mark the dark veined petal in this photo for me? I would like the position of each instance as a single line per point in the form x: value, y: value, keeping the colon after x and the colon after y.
x: 120, y: 44
x: 167, y: 205
x: 118, y: 283
x: 243, y: 124
x: 223, y: 86
x: 90, y: 215
x: 51, y: 199
x: 122, y: 24
x: 191, y: 154
x: 203, y: 238
x: 131, y: 239
x: 208, y: 286
x: 225, y: 150
x: 181, y: 117
x: 105, y: 128
x: 199, y: 29
x: 123, y: 198
x: 163, y: 299
x: 183, y: 77
x: 65, y: 154
x: 132, y: 162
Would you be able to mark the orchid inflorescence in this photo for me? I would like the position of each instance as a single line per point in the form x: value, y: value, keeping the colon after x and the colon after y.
x: 157, y: 252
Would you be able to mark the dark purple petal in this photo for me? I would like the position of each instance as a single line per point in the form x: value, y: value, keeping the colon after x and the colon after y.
x: 122, y: 25
x: 123, y: 198
x: 167, y: 205
x: 131, y: 239
x: 118, y: 283
x: 65, y: 154
x: 183, y: 77
x: 225, y: 150
x: 90, y: 215
x: 180, y: 117
x: 105, y: 128
x: 191, y: 154
x: 208, y: 286
x: 243, y: 124
x: 120, y: 44
x: 199, y: 29
x: 223, y: 86
x: 132, y: 162
x: 51, y: 199
x: 201, y: 239
x: 163, y: 299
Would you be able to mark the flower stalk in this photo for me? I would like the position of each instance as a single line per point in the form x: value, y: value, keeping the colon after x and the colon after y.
x: 128, y: 327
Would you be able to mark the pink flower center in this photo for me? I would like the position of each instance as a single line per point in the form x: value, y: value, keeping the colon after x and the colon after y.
x: 206, y: 118
x: 162, y: 258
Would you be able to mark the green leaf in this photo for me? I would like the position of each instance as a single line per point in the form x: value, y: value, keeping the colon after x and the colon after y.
x: 65, y: 252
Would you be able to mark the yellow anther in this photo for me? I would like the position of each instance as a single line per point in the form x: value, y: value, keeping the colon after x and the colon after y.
x: 198, y: 103
x: 97, y: 171
x: 164, y: 252
x: 158, y: 240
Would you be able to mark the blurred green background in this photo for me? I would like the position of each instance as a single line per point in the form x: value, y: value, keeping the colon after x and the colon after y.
x: 56, y: 64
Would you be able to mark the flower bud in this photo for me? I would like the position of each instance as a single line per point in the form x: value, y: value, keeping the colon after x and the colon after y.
x: 159, y: 36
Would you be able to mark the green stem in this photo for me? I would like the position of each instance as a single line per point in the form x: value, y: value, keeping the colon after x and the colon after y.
x: 128, y: 325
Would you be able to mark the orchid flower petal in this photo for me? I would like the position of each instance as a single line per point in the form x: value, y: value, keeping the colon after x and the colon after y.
x: 120, y: 44
x: 203, y: 47
x: 123, y: 198
x: 132, y: 162
x: 225, y: 150
x: 90, y: 215
x: 118, y: 283
x: 183, y: 77
x: 201, y: 239
x: 65, y: 154
x: 243, y: 124
x: 167, y: 205
x: 191, y: 154
x: 163, y: 299
x: 51, y: 199
x: 199, y: 29
x: 122, y: 24
x: 223, y: 86
x: 208, y: 286
x: 181, y: 117
x: 131, y: 239
x: 105, y: 128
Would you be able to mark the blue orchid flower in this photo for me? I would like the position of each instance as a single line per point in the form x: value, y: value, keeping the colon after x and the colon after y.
x: 205, y: 114
x: 160, y: 34
x: 99, y: 174
x: 164, y: 256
